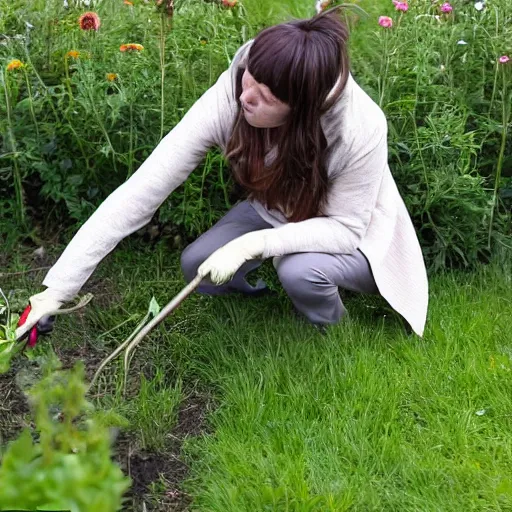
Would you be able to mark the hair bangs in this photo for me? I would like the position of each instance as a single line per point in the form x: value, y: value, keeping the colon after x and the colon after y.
x: 272, y: 59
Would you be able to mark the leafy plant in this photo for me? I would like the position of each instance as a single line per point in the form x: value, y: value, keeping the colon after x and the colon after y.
x: 69, y: 466
x: 439, y: 79
x: 8, y: 322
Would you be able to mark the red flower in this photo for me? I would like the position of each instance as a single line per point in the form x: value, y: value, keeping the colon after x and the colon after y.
x: 89, y: 21
x: 229, y: 3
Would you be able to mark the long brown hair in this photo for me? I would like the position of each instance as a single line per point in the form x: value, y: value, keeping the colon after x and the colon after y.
x: 300, y: 61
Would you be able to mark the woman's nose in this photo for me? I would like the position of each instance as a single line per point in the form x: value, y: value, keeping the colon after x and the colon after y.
x: 247, y: 98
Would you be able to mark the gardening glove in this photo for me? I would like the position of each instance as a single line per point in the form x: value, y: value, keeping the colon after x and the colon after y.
x: 36, y: 318
x: 222, y: 265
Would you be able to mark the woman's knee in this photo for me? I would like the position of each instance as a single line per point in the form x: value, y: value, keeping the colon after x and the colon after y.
x: 299, y: 275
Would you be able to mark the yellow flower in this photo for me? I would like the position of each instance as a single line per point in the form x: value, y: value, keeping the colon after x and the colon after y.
x: 15, y: 64
x: 73, y: 54
x: 111, y: 77
x: 131, y: 47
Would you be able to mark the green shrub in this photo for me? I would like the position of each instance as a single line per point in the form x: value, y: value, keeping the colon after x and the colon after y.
x: 447, y: 100
x: 70, y: 136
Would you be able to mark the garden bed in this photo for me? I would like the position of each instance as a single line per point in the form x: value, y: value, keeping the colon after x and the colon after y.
x: 166, y: 469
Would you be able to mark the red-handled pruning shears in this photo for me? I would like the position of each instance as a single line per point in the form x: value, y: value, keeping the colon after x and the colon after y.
x: 33, y: 333
x: 45, y: 325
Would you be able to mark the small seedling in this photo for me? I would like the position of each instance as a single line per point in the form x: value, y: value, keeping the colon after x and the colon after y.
x: 144, y: 328
x: 9, y: 347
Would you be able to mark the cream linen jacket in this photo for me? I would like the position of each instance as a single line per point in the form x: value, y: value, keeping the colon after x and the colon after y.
x: 363, y: 210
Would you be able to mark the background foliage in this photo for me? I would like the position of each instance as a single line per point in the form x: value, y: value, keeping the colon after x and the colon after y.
x: 70, y: 136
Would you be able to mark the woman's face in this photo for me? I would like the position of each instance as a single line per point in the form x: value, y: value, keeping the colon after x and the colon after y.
x: 260, y: 107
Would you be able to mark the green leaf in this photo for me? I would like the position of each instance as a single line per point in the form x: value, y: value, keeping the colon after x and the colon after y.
x: 154, y: 308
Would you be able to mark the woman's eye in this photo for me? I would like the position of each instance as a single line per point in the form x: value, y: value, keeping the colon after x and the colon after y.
x: 270, y: 100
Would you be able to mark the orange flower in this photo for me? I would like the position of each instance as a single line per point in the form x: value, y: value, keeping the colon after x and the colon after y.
x: 111, y: 77
x: 89, y: 21
x: 229, y: 3
x: 127, y: 2
x: 131, y: 47
x: 15, y: 64
x: 73, y: 54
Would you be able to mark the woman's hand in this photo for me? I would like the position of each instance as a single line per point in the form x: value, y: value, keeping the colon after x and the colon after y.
x: 41, y: 306
x: 222, y: 265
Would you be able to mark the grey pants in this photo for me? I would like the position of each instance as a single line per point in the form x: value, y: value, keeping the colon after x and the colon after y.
x: 311, y: 280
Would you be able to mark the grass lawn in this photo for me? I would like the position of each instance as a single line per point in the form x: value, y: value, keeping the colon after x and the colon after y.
x: 236, y: 405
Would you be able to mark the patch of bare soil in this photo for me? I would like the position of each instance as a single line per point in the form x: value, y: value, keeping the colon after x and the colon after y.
x: 13, y: 407
x: 166, y: 468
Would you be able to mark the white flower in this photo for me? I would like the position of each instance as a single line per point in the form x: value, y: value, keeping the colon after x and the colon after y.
x: 320, y: 5
x: 479, y: 6
x: 65, y: 4
x: 461, y: 42
x: 29, y: 25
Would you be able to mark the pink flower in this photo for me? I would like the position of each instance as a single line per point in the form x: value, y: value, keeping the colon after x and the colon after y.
x: 385, y: 21
x: 504, y: 59
x: 401, y: 6
x: 446, y: 7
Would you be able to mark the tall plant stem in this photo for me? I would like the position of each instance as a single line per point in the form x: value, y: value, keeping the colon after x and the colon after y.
x: 495, y: 81
x: 102, y: 128
x: 505, y: 112
x: 384, y: 76
x: 162, y: 74
x: 68, y: 111
x: 48, y: 98
x: 130, y: 153
x: 31, y: 104
x: 18, y: 186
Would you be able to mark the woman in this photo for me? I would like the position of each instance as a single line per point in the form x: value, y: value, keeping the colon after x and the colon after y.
x: 310, y: 148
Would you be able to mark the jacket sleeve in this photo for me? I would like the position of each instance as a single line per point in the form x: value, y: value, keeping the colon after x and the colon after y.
x: 350, y: 202
x: 132, y: 205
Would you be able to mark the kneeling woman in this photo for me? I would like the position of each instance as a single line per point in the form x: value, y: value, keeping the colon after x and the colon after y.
x: 310, y: 148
